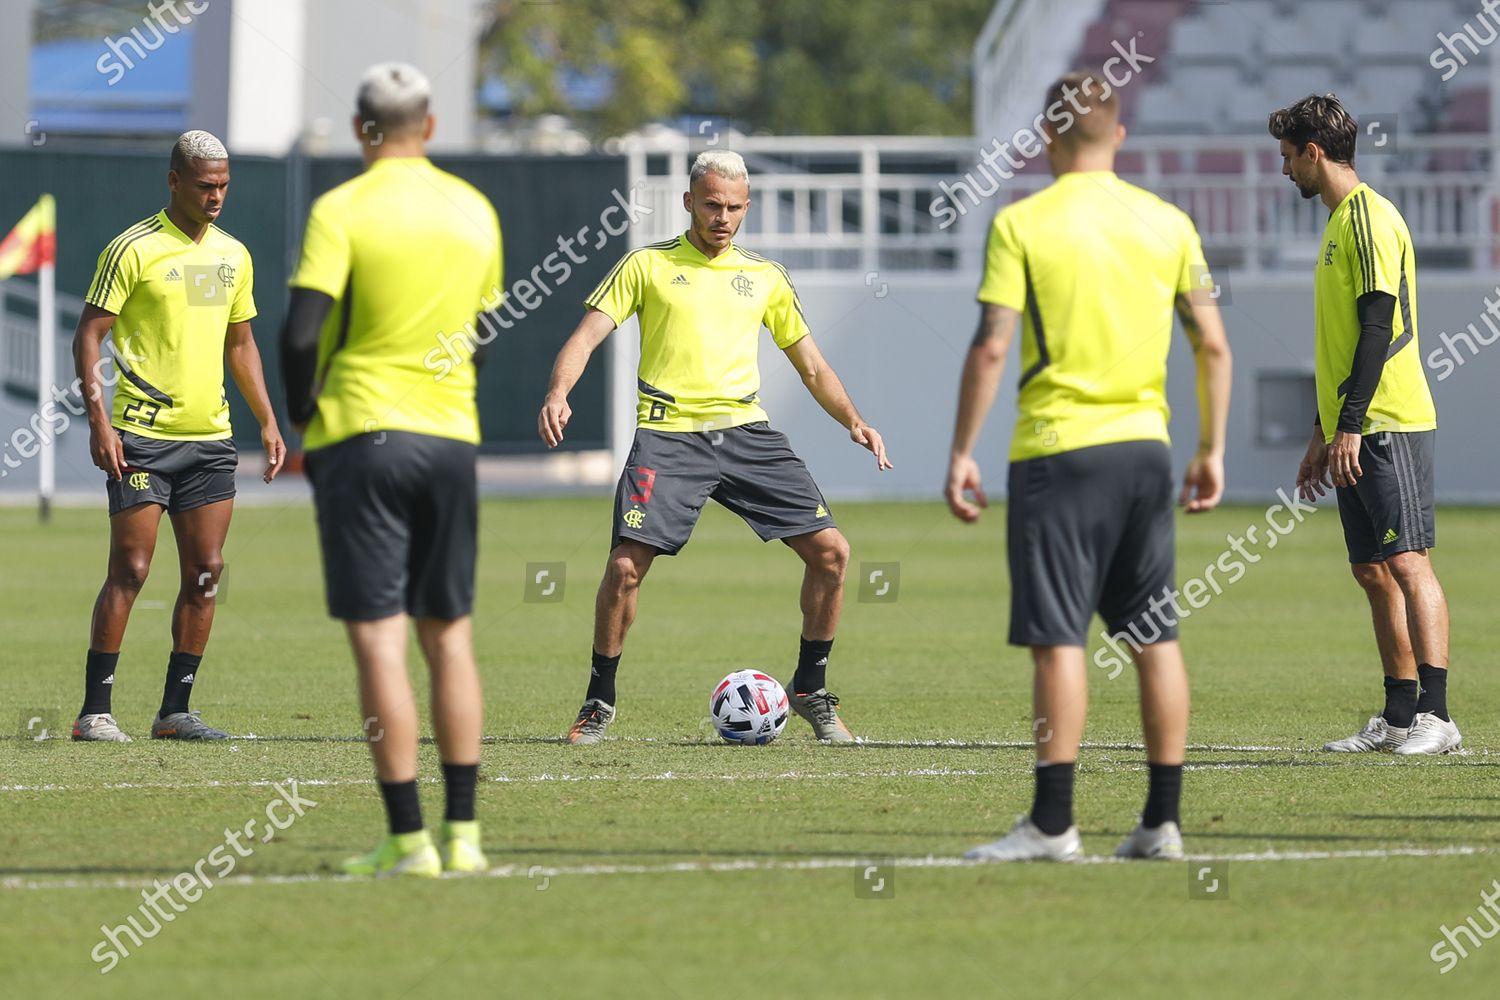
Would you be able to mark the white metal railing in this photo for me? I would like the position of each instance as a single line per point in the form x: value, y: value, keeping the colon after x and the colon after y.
x: 18, y: 338
x: 1024, y: 45
x: 862, y: 204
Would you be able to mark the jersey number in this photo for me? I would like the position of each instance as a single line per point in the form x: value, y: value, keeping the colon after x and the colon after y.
x: 658, y: 412
x: 142, y: 413
x: 647, y: 479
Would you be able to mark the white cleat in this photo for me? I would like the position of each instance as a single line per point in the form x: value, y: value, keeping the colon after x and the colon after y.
x: 99, y: 728
x: 1158, y: 843
x: 1430, y: 735
x: 1026, y: 843
x: 1376, y: 736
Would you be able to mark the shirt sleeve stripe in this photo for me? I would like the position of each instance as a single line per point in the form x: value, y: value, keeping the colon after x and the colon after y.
x: 106, y: 277
x: 1360, y: 214
x: 609, y: 280
x: 111, y: 254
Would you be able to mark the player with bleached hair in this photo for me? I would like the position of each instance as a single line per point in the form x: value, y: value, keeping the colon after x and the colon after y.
x: 701, y: 432
x: 174, y: 295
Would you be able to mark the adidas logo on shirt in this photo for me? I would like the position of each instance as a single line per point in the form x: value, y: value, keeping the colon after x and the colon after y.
x: 172, y: 275
x: 681, y: 279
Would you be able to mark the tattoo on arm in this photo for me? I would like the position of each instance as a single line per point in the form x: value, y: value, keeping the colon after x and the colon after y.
x: 995, y: 322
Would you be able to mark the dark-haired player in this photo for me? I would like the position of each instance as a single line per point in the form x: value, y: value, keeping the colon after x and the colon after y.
x: 174, y: 294
x: 1376, y: 425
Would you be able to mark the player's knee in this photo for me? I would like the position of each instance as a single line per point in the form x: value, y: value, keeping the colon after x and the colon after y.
x: 1407, y: 568
x: 833, y: 556
x: 1372, y: 576
x: 622, y: 574
x: 202, y: 577
x: 128, y: 570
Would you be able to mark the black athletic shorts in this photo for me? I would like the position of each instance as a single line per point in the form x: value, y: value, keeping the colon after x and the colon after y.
x: 179, y: 475
x: 1091, y: 530
x: 398, y: 516
x: 750, y: 469
x: 1389, y: 508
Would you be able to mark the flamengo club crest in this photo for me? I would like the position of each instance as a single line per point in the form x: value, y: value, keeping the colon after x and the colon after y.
x: 226, y: 274
x: 742, y: 285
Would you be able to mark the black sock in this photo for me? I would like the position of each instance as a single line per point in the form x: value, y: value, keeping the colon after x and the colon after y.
x: 812, y: 666
x: 602, y: 679
x: 1434, y: 696
x: 182, y: 670
x: 460, y: 780
x: 402, y: 807
x: 1052, y: 809
x: 98, y: 682
x: 1163, y: 796
x: 1400, y: 702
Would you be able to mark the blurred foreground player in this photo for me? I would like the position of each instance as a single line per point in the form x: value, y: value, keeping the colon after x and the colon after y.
x: 701, y: 432
x: 392, y: 259
x: 174, y: 293
x: 1091, y: 269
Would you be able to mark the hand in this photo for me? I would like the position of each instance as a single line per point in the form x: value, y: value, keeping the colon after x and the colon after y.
x: 963, y: 477
x: 1343, y: 458
x: 554, y: 417
x: 1203, y: 483
x: 869, y: 437
x: 270, y: 439
x: 1312, y: 474
x: 107, y: 450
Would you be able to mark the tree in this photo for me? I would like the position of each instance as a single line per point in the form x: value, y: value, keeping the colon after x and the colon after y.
x: 787, y: 66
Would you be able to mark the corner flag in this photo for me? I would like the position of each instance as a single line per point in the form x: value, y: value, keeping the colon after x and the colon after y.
x: 33, y: 242
x: 32, y: 246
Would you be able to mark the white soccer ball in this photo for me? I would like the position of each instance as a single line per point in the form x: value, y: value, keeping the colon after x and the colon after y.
x: 749, y: 707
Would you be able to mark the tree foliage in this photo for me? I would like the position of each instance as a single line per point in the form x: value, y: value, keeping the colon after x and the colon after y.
x: 786, y: 66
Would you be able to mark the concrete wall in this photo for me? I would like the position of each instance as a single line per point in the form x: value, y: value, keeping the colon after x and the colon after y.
x: 900, y: 357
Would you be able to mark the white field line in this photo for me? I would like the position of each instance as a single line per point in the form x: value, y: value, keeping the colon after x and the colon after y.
x: 533, y: 872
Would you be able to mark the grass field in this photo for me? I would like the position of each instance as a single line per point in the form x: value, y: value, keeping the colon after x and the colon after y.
x: 660, y: 864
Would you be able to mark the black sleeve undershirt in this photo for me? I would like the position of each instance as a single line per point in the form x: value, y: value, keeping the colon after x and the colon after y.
x: 1377, y: 313
x: 305, y: 313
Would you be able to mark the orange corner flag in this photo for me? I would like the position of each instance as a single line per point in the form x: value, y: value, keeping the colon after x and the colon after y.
x: 33, y: 242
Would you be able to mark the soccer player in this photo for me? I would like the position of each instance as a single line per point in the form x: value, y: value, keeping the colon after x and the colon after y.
x: 1375, y: 430
x: 174, y: 295
x: 702, y: 433
x: 1090, y: 270
x: 392, y: 260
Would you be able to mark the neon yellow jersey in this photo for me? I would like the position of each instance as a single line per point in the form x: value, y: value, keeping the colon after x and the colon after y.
x: 1367, y: 248
x: 410, y: 255
x: 1094, y: 266
x: 700, y: 326
x: 173, y: 300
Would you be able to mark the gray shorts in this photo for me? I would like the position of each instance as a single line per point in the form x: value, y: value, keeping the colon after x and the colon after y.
x: 398, y: 517
x: 1389, y: 508
x: 179, y: 475
x: 750, y: 469
x: 1091, y: 530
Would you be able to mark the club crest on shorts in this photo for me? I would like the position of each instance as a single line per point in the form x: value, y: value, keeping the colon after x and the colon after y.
x: 635, y: 518
x: 140, y: 480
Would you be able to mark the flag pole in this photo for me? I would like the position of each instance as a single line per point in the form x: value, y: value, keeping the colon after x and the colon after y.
x: 46, y: 378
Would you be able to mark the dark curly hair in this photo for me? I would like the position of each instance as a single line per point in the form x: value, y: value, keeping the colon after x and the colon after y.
x: 1322, y: 120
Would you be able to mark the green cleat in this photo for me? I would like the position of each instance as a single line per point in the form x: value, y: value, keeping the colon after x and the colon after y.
x: 460, y: 848
x: 410, y: 854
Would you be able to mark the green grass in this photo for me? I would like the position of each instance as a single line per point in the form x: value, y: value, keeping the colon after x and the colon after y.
x: 1282, y: 661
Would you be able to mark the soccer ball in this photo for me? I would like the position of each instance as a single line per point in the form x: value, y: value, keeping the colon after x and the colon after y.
x: 748, y: 707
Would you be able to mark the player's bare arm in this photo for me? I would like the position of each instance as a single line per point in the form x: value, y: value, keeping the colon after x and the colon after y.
x: 823, y: 382
x: 567, y: 370
x: 1312, y: 473
x: 980, y: 381
x: 105, y: 447
x: 1203, y: 483
x: 250, y: 377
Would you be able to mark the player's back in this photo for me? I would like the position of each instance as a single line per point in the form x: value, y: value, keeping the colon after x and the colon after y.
x: 420, y: 257
x: 1094, y: 265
